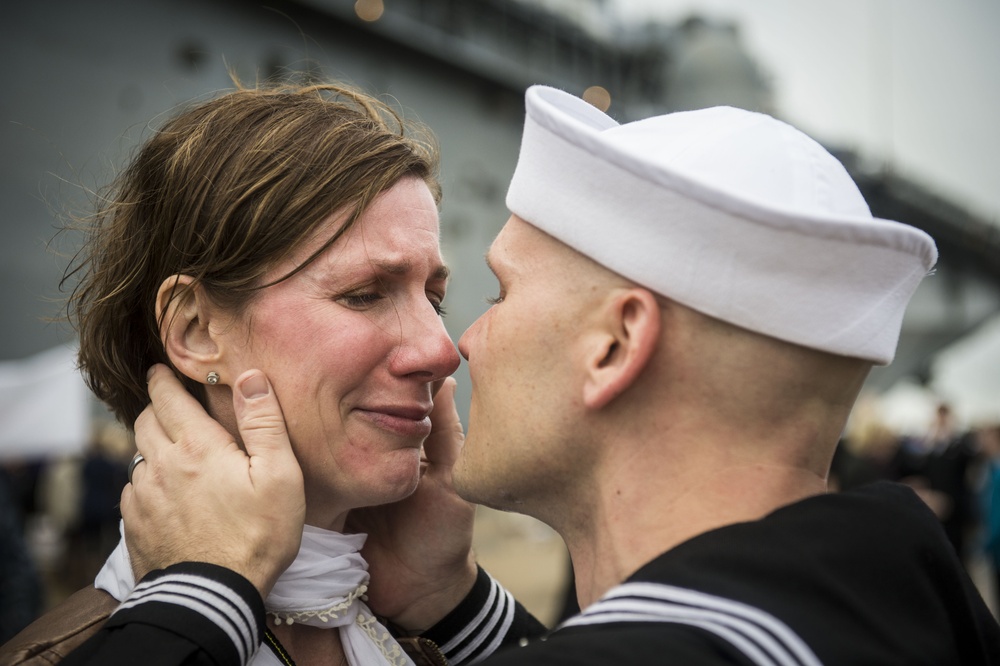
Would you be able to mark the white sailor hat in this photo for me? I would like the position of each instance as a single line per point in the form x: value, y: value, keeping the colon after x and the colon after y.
x: 729, y: 212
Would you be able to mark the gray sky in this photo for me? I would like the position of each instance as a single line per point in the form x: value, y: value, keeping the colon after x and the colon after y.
x: 911, y: 82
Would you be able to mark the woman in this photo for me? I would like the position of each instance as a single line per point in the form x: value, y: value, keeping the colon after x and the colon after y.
x: 293, y: 230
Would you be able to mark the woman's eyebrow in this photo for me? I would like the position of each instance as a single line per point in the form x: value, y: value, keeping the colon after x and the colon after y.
x: 442, y: 272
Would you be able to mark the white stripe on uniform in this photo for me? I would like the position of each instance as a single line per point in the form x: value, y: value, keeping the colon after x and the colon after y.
x: 763, y: 638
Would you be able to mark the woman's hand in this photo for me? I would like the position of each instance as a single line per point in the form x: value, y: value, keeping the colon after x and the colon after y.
x: 419, y: 550
x: 199, y: 497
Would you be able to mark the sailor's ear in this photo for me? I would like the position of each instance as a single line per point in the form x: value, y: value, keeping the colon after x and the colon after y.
x: 626, y: 338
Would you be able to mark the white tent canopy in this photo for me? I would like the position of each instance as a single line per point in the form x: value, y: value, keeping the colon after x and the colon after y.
x: 44, y: 406
x: 967, y: 375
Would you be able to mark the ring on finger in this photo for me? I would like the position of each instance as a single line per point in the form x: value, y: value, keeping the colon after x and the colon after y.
x: 132, y: 465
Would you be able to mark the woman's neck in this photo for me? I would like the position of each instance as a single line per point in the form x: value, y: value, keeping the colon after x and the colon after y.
x: 324, y: 521
x: 308, y: 645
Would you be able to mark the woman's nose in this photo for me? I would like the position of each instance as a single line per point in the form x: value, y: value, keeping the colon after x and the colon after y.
x: 427, y: 349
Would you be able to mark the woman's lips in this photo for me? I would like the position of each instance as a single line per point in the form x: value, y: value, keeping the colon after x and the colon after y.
x: 409, y: 422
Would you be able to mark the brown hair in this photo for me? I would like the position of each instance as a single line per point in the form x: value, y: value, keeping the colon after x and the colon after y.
x: 222, y: 192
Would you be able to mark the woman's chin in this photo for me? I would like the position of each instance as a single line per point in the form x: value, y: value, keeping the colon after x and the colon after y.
x: 363, y: 483
x: 397, y: 480
x: 404, y: 483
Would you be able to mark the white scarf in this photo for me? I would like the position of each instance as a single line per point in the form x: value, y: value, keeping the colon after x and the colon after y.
x: 323, y: 587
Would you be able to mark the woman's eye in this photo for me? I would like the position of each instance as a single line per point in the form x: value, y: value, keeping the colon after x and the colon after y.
x: 361, y: 300
x: 494, y: 300
x: 437, y: 302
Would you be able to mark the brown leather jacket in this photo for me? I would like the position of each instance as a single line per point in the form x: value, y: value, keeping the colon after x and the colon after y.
x: 51, y: 637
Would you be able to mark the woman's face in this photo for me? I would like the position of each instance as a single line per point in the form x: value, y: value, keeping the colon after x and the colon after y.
x: 351, y: 345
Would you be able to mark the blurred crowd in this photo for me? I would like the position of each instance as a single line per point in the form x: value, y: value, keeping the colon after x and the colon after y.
x: 59, y: 521
x: 955, y: 470
x: 59, y: 518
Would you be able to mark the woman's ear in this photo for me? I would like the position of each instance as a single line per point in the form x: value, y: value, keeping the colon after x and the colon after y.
x: 184, y: 314
x: 629, y: 332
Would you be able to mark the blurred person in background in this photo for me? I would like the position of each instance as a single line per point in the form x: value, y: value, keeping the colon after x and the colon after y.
x: 293, y: 230
x: 688, y: 306
x: 989, y: 495
x: 21, y: 592
x: 869, y: 452
x: 939, y: 466
x: 90, y: 532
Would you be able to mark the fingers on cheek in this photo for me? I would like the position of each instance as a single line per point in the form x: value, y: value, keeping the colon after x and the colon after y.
x: 126, y: 499
x: 135, y: 505
x: 142, y: 421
